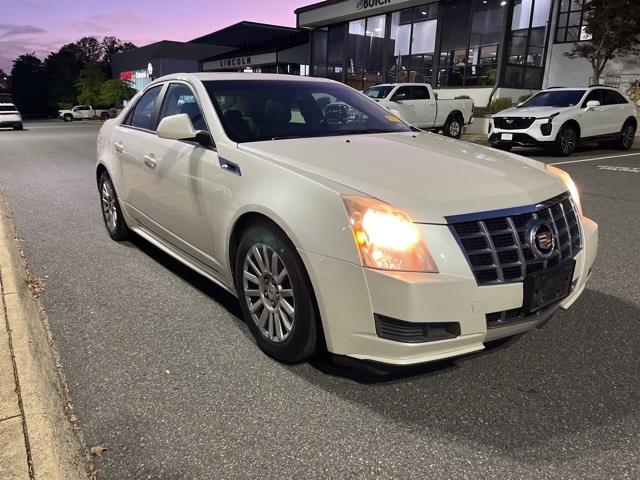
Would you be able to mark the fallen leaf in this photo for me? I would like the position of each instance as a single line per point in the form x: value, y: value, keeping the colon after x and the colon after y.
x: 98, y: 450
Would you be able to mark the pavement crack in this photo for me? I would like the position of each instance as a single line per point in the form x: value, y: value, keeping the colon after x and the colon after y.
x: 27, y: 444
x: 9, y: 418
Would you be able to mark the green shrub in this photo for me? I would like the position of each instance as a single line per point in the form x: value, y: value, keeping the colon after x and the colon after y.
x: 524, y: 98
x: 65, y: 106
x: 500, y: 104
x: 462, y: 97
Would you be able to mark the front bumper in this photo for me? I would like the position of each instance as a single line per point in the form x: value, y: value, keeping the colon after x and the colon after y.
x: 350, y: 297
x: 539, y: 134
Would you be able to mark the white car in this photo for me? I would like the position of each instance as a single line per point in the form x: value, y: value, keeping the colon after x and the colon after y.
x: 417, y: 105
x: 561, y: 118
x: 83, y: 112
x: 10, y: 116
x: 342, y: 228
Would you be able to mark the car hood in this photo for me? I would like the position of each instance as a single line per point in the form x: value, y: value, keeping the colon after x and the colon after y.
x: 538, y: 112
x: 429, y: 176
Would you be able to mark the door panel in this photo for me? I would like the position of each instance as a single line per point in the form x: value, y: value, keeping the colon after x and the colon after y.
x: 593, y: 121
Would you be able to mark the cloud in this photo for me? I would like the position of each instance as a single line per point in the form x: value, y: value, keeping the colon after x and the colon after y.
x: 10, y: 30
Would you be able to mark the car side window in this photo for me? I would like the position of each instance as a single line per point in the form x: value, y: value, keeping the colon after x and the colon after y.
x: 611, y: 97
x: 403, y: 93
x: 593, y: 95
x: 419, y: 93
x: 180, y: 99
x: 142, y: 114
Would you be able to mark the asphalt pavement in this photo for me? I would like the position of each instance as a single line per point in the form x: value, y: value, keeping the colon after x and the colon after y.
x: 164, y: 373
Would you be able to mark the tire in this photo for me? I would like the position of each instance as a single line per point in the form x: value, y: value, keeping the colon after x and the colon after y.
x: 453, y: 126
x: 287, y: 328
x: 627, y: 136
x: 505, y: 148
x: 19, y: 127
x: 111, y: 212
x: 566, y: 141
x: 68, y: 118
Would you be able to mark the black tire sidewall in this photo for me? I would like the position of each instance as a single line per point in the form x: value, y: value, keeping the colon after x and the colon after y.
x: 122, y: 230
x: 302, y: 341
x: 449, y: 122
x: 621, y: 144
x: 558, y: 146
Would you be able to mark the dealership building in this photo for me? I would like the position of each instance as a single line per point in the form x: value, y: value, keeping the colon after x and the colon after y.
x: 482, y: 48
x: 485, y: 49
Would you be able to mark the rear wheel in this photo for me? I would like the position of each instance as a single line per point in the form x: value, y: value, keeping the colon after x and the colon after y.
x: 627, y: 136
x: 111, y: 213
x: 275, y: 294
x: 18, y: 127
x: 566, y: 141
x: 453, y: 126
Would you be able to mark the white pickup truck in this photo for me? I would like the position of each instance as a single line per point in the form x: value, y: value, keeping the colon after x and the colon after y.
x: 417, y: 105
x: 83, y: 112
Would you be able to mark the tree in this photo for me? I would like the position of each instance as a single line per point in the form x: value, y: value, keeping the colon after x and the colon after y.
x: 110, y: 46
x: 115, y: 92
x: 28, y: 80
x: 614, y: 27
x: 88, y: 84
x: 62, y: 70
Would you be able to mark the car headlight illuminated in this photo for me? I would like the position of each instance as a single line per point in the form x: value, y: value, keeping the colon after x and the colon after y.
x: 386, y: 237
x: 568, y: 181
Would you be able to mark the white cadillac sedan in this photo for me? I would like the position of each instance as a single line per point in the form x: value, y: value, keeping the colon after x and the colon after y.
x: 336, y: 224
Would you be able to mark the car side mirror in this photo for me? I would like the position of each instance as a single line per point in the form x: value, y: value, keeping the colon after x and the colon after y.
x: 398, y: 97
x: 591, y: 104
x: 179, y: 127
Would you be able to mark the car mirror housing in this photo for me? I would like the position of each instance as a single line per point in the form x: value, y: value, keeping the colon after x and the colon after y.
x: 593, y: 104
x: 176, y: 127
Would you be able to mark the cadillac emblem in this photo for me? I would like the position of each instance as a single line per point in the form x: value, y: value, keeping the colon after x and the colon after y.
x: 542, y: 239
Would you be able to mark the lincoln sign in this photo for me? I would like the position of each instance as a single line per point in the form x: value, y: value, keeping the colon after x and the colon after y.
x: 235, y: 62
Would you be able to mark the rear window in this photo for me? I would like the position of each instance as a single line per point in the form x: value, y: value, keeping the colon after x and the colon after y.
x: 8, y: 108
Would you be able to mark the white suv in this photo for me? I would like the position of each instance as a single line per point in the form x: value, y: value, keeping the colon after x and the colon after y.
x: 560, y: 118
x: 10, y: 116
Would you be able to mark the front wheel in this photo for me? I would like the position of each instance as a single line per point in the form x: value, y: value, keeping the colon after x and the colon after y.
x: 566, y: 141
x: 68, y: 118
x: 627, y: 136
x: 275, y: 294
x: 18, y: 127
x: 111, y: 213
x: 453, y: 126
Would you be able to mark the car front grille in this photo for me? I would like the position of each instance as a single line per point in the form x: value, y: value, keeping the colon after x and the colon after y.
x: 496, y: 245
x: 513, y: 123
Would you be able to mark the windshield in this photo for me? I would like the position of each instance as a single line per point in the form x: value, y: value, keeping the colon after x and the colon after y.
x: 8, y: 108
x: 378, y: 92
x: 256, y: 110
x: 555, y: 98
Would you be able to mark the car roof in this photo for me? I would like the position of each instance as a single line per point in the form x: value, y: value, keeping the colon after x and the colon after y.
x: 556, y: 89
x: 211, y: 76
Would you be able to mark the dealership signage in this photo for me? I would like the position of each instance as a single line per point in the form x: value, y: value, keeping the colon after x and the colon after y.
x: 365, y: 4
x: 235, y: 62
x: 133, y: 74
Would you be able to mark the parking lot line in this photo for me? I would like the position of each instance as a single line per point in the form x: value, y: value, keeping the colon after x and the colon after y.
x: 597, y: 158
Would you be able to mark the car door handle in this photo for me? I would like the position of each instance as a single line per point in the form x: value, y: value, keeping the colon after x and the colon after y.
x: 230, y: 167
x: 119, y: 147
x: 150, y: 160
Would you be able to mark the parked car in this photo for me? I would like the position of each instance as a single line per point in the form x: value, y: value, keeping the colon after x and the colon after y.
x: 417, y: 104
x: 357, y: 234
x: 84, y: 112
x: 10, y: 116
x: 559, y: 119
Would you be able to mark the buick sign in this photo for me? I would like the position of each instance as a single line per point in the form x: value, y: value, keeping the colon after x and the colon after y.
x: 365, y: 4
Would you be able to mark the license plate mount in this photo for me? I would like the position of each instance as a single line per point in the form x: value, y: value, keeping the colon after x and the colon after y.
x: 548, y: 286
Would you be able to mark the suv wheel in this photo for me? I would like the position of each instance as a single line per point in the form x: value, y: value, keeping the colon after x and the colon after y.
x: 627, y: 136
x: 453, y: 126
x: 275, y: 294
x: 68, y: 117
x: 566, y: 141
x: 111, y: 213
x: 19, y: 127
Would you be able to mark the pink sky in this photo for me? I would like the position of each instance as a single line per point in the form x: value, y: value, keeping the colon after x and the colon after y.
x: 42, y: 26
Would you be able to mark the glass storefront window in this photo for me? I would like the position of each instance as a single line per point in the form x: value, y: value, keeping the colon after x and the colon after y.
x: 319, y: 49
x: 374, y: 50
x: 423, y: 43
x: 571, y: 22
x: 356, y: 53
x: 399, y: 46
x: 335, y: 41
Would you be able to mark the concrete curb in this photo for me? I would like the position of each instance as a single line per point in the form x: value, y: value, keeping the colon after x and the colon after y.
x: 49, y: 446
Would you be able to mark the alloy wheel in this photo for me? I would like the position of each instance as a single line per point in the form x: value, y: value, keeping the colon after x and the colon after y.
x: 568, y: 141
x: 109, y: 206
x: 268, y: 292
x: 628, y: 136
x: 454, y: 129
